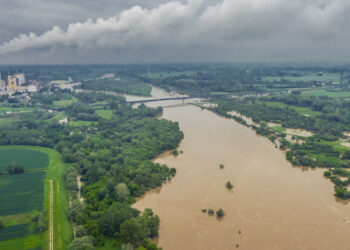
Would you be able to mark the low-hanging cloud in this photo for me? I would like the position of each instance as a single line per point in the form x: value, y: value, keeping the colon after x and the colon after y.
x: 255, y: 25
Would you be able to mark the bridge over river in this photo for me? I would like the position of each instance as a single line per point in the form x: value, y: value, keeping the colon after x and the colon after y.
x: 162, y: 99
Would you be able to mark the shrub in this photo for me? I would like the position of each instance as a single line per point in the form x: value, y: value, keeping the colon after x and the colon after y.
x: 327, y: 173
x: 210, y: 211
x: 40, y: 222
x: 81, y: 231
x: 204, y: 210
x: 15, y: 169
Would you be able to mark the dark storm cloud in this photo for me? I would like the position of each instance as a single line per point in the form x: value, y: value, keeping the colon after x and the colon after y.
x: 196, y: 30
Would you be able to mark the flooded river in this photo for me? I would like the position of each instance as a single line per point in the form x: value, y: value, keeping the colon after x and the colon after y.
x: 272, y: 205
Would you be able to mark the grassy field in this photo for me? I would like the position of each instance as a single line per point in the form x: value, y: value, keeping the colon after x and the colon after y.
x: 105, y: 113
x: 300, y: 110
x: 64, y: 103
x: 336, y: 145
x: 80, y: 123
x: 38, y: 184
x: 6, y: 121
x: 58, y: 116
x: 326, y: 77
x: 324, y: 92
x: 21, y: 109
x: 28, y: 159
x: 279, y: 129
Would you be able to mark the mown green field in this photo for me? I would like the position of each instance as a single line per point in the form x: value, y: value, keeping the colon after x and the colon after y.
x: 80, y: 123
x: 23, y: 194
x: 59, y: 116
x: 64, y: 102
x: 28, y: 159
x: 105, y: 113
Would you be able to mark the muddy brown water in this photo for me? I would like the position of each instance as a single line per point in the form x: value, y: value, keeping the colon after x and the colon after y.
x: 272, y: 205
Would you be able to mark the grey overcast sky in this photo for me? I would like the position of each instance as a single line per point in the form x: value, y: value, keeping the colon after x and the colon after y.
x: 144, y: 31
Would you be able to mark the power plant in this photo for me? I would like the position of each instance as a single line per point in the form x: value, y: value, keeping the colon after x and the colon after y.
x: 14, y: 83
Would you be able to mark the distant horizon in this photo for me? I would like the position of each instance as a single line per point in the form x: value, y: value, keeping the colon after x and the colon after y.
x: 282, y: 64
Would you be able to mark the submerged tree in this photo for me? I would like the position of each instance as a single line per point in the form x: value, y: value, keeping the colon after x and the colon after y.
x: 220, y: 213
x: 229, y: 185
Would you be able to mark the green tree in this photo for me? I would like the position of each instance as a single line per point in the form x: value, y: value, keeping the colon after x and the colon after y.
x: 112, y: 218
x: 122, y: 192
x: 82, y: 243
x: 15, y: 169
x: 81, y: 231
x: 131, y: 231
x: 346, y: 154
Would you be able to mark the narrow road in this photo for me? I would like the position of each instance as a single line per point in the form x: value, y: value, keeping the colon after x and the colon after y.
x: 51, y: 214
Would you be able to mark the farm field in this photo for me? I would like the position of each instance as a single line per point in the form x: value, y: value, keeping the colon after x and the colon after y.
x: 28, y: 159
x: 21, y: 193
x: 24, y: 195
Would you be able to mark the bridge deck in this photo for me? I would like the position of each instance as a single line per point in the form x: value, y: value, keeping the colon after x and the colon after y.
x: 161, y: 99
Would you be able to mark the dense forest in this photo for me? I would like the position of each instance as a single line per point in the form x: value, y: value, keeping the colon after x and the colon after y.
x: 112, y: 156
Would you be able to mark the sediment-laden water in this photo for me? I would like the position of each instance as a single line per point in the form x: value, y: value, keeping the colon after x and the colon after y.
x: 272, y: 205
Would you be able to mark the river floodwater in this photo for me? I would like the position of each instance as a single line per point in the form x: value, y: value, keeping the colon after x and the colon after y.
x: 272, y: 205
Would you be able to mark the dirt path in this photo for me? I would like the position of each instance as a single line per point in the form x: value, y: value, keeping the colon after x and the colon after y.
x: 81, y: 199
x: 51, y: 214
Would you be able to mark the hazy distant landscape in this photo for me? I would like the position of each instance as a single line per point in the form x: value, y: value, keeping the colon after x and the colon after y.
x: 78, y: 130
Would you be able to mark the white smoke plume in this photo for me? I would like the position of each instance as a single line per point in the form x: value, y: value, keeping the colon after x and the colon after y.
x: 264, y: 24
